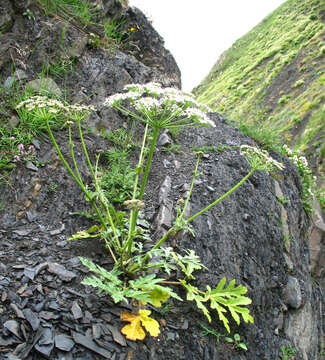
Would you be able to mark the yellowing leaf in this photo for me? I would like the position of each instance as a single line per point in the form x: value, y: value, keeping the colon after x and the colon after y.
x: 134, y: 331
x: 150, y: 324
x: 157, y: 296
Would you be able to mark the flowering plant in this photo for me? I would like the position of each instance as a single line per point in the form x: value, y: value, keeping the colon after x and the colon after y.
x: 307, y: 178
x: 131, y: 276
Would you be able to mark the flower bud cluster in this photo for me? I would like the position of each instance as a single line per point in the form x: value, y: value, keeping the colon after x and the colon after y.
x: 134, y: 204
x: 260, y: 159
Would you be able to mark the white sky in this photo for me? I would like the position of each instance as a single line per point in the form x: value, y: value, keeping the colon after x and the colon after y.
x: 197, y: 32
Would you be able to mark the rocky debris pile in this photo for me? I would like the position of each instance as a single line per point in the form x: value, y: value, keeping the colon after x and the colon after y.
x: 49, y: 317
x: 252, y: 236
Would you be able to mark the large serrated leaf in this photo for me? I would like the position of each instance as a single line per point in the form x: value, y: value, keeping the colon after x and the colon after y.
x: 230, y: 298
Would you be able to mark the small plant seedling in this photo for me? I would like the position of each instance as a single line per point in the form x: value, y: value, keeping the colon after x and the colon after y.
x: 207, y: 331
x: 171, y: 148
x: 166, y: 309
x: 237, y: 343
x: 29, y: 14
x: 288, y: 353
x: 52, y: 186
x: 282, y: 200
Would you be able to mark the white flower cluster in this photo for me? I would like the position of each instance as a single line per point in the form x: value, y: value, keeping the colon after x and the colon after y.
x: 54, y: 106
x: 294, y: 157
x: 305, y: 172
x: 196, y: 112
x: 116, y: 98
x: 149, y: 103
x: 260, y: 159
x: 153, y: 98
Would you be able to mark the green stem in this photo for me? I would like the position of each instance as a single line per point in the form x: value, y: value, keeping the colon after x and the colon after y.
x: 110, y: 220
x: 156, y: 132
x: 133, y: 215
x: 71, y: 145
x: 140, y: 162
x: 85, y: 149
x: 79, y: 182
x: 191, y: 188
x: 172, y: 229
x: 93, y: 204
x: 221, y: 197
x: 62, y: 157
x: 143, y: 184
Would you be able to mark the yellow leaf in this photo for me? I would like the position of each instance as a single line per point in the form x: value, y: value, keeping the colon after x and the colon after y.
x: 150, y: 324
x: 134, y: 331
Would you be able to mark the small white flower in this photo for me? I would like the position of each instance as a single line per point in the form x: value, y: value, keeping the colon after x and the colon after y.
x: 148, y: 103
x: 303, y: 160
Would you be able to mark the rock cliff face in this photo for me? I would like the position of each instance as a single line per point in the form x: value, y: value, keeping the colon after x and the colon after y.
x: 258, y: 236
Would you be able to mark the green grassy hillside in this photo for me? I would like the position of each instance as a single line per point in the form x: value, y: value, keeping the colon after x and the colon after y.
x: 272, y: 80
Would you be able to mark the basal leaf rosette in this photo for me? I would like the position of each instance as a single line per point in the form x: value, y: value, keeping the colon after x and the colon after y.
x: 161, y: 108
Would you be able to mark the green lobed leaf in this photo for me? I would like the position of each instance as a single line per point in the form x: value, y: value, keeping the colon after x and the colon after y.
x: 221, y: 299
x: 230, y: 298
x: 114, y: 291
x: 188, y: 263
x: 109, y: 275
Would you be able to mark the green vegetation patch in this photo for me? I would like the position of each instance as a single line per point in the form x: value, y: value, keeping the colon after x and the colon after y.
x: 17, y: 132
x: 271, y: 81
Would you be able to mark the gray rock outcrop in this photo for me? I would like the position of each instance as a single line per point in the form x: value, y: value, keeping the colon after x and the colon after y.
x: 250, y: 236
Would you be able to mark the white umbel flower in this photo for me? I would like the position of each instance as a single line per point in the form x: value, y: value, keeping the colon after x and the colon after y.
x: 161, y: 107
x: 260, y: 159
